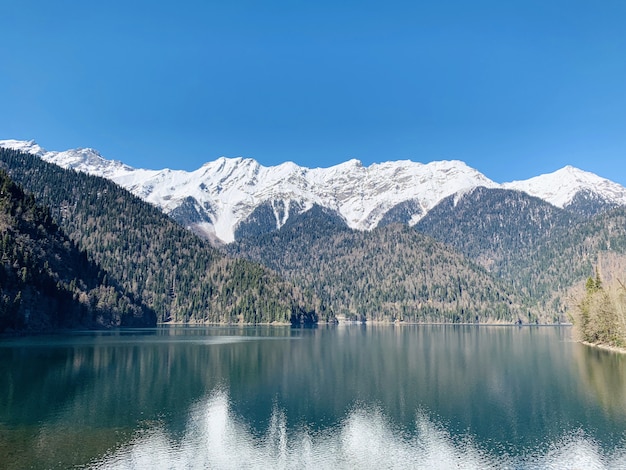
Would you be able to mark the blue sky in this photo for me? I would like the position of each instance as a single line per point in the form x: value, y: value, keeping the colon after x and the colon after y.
x: 513, y: 88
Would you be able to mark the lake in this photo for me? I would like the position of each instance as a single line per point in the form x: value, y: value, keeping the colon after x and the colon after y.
x: 355, y: 396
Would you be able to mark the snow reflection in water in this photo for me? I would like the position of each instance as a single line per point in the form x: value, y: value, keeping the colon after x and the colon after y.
x: 216, y: 439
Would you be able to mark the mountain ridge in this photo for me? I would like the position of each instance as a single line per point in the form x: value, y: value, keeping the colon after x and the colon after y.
x: 222, y: 195
x: 562, y: 194
x: 390, y: 273
x: 170, y: 270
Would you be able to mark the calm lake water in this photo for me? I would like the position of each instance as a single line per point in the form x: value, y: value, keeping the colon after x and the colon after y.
x: 330, y: 397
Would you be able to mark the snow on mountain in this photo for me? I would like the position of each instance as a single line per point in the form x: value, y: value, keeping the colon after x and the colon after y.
x: 81, y: 159
x: 228, y: 190
x: 221, y: 195
x: 28, y: 146
x: 560, y: 187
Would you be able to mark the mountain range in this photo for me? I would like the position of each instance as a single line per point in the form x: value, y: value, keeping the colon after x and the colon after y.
x: 229, y: 199
x: 396, y: 241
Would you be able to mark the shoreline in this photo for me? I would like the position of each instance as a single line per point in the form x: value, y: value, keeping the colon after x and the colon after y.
x: 371, y: 323
x: 400, y: 323
x: 202, y: 323
x: 606, y: 347
x: 356, y: 322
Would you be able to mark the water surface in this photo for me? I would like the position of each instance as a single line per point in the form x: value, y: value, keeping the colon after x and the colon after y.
x: 340, y: 397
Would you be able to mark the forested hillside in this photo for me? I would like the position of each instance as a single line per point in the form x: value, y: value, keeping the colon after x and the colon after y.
x: 163, y: 265
x: 492, y: 225
x: 539, y: 250
x: 500, y: 255
x: 572, y: 255
x: 46, y: 281
x: 391, y: 273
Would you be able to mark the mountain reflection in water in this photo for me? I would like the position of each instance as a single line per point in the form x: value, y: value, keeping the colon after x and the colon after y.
x: 216, y: 438
x: 339, y: 397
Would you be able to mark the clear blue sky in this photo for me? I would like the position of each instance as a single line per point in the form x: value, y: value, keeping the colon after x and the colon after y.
x: 513, y: 88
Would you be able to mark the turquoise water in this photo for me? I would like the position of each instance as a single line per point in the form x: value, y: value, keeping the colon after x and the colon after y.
x: 331, y: 397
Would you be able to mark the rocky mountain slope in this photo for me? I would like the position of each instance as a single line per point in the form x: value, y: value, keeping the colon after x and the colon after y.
x: 231, y: 198
x: 573, y: 189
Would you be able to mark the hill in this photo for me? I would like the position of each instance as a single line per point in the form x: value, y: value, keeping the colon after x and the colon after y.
x: 537, y: 249
x: 390, y: 273
x: 46, y: 281
x: 163, y: 265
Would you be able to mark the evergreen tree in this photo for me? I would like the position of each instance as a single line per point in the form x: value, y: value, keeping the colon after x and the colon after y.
x: 600, y: 317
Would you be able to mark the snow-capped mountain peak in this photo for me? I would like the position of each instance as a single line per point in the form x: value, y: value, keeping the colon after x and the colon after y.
x: 228, y: 197
x: 560, y: 187
x: 28, y: 146
x: 82, y: 159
